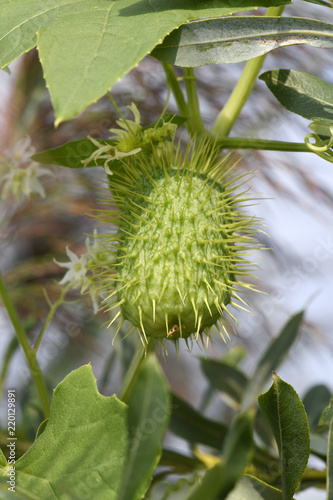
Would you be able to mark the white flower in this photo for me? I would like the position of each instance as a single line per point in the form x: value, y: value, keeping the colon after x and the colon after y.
x: 21, y: 152
x: 77, y: 270
x: 106, y: 152
x: 23, y: 181
x: 20, y: 175
x: 83, y: 271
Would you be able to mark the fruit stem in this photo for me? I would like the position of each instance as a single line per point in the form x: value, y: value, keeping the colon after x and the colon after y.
x: 177, y: 91
x: 53, y: 308
x: 194, y: 117
x: 242, y: 90
x: 27, y: 349
x: 133, y: 370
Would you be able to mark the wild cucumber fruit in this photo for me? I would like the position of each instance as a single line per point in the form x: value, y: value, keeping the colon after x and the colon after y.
x: 180, y: 243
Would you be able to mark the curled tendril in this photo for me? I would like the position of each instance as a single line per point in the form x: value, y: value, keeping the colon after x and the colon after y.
x: 322, y: 148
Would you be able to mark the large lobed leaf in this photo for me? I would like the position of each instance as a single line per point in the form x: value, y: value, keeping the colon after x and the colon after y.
x: 301, y: 93
x: 287, y: 418
x: 82, y: 451
x: 86, y: 46
x: 237, y: 39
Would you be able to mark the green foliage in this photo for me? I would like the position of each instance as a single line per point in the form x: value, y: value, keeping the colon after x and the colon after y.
x: 314, y: 402
x: 327, y: 414
x: 225, y: 378
x: 73, y: 153
x: 249, y: 487
x: 237, y: 39
x: 189, y: 424
x: 271, y: 359
x: 236, y: 454
x: 107, y: 448
x: 87, y: 46
x: 62, y: 460
x: 148, y: 416
x: 330, y: 462
x: 301, y: 93
x: 286, y: 416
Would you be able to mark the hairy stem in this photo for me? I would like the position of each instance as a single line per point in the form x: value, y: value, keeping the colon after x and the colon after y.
x: 27, y: 349
x: 242, y: 90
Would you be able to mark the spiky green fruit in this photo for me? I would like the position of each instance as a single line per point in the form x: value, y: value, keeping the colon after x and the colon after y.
x: 180, y: 244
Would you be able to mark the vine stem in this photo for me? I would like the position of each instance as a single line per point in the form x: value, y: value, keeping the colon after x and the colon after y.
x: 262, y: 144
x: 30, y: 354
x: 242, y: 90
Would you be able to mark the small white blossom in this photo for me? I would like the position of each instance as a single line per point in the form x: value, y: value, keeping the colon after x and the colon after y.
x: 106, y: 152
x: 21, y: 152
x: 84, y: 272
x: 77, y: 270
x: 19, y: 174
x: 23, y: 181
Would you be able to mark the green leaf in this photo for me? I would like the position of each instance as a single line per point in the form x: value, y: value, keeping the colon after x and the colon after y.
x: 329, y: 464
x: 190, y: 425
x: 321, y: 129
x: 3, y: 461
x: 209, y: 485
x: 181, y: 464
x: 271, y: 359
x: 148, y: 417
x: 83, y: 448
x: 264, y: 431
x: 251, y: 488
x: 320, y: 2
x: 287, y: 418
x: 86, y: 46
x: 238, y: 448
x: 314, y: 402
x: 237, y: 39
x: 226, y: 379
x: 301, y: 93
x: 71, y: 154
x: 318, y: 445
x: 234, y: 355
x: 237, y: 451
x: 18, y: 495
x: 327, y: 415
x: 42, y: 427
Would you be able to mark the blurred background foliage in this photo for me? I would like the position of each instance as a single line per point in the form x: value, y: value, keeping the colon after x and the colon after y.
x: 35, y: 232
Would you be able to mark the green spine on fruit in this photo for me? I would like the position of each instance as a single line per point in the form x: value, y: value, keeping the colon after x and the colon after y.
x: 181, y: 241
